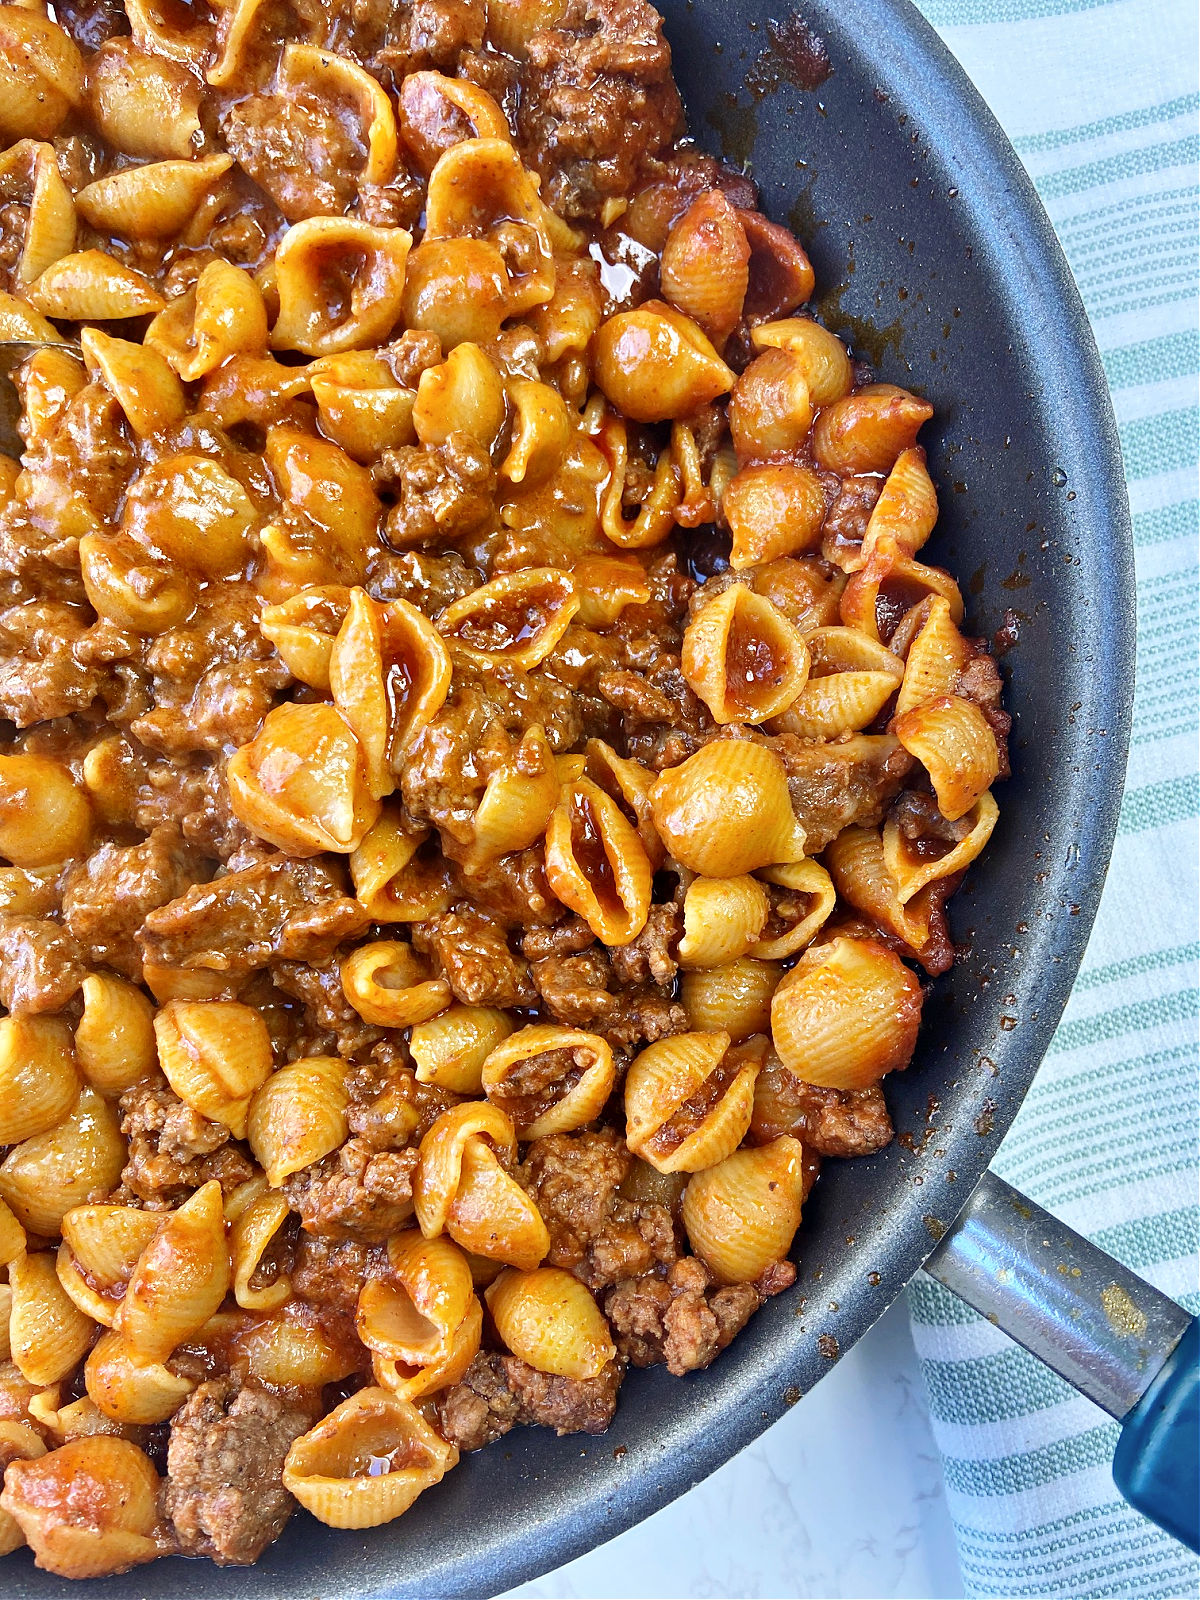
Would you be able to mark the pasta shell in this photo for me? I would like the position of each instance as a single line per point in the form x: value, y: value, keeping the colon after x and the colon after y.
x: 50, y: 229
x: 457, y: 288
x: 143, y: 104
x: 388, y: 984
x: 727, y: 810
x: 550, y: 1320
x: 41, y: 74
x: 519, y: 798
x: 12, y: 1237
x: 705, y: 265
x: 48, y: 1333
x: 141, y: 382
x: 798, y: 914
x: 411, y: 1383
x: 741, y: 1215
x: 105, y: 1242
x: 654, y: 364
x: 826, y: 365
x: 215, y: 1054
x: 44, y: 814
x: 867, y: 430
x: 743, y: 657
x: 840, y: 649
x: 303, y: 628
x: 114, y: 1038
x: 38, y: 1081
x: 389, y: 673
x: 464, y: 394
x: 629, y: 784
x: 846, y: 1014
x: 298, y: 1116
x: 688, y: 1100
x: 878, y: 597
x: 954, y: 742
x: 722, y: 919
x: 656, y: 516
x: 128, y: 1388
x: 302, y: 783
x: 512, y: 23
x: 773, y: 509
x: 440, y: 1170
x: 541, y: 432
x: 935, y: 659
x: 837, y: 703
x: 111, y: 1491
x: 770, y: 409
x: 91, y: 286
x: 516, y: 619
x: 153, y: 201
x: 596, y: 864
x: 449, y: 1050
x: 19, y: 321
x: 432, y: 107
x: 606, y: 585
x: 361, y: 405
x: 491, y: 1215
x: 255, y: 1215
x: 549, y: 1079
x: 47, y: 1175
x: 340, y: 283
x: 18, y: 1442
x: 284, y: 1349
x: 907, y: 509
x: 399, y: 876
x: 221, y: 316
x: 335, y: 79
x: 914, y: 871
x: 412, y: 1316
x: 189, y: 510
x: 366, y: 1462
x: 180, y: 1278
x: 861, y: 875
x: 733, y: 999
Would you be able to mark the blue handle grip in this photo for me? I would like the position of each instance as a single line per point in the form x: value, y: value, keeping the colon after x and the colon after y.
x: 1157, y: 1461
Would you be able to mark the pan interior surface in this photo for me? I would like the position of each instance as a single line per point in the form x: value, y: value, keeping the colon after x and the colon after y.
x: 938, y: 265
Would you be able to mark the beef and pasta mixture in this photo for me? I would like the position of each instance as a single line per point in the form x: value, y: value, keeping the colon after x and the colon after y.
x: 482, y: 761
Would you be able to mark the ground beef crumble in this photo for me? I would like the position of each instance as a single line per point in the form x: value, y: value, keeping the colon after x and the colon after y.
x: 499, y: 1391
x: 224, y: 1491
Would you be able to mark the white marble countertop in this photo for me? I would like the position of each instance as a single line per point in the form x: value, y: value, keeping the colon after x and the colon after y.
x: 842, y: 1499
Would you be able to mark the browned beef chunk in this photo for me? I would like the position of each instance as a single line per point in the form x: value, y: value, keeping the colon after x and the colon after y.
x: 500, y: 1391
x: 41, y: 964
x: 473, y: 953
x: 575, y: 988
x: 328, y: 1273
x: 595, y: 1232
x: 224, y: 1492
x: 297, y: 148
x: 680, y: 1319
x: 442, y: 492
x: 41, y: 677
x: 839, y: 786
x: 598, y: 101
x: 650, y: 957
x: 281, y: 909
x: 831, y: 1122
x: 107, y: 898
x: 173, y: 1149
x: 329, y: 1015
x: 356, y: 1192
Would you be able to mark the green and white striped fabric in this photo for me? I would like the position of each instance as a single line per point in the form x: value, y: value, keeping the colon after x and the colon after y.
x: 1100, y: 100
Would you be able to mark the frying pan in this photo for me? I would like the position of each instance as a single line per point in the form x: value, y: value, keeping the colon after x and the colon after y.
x: 939, y: 265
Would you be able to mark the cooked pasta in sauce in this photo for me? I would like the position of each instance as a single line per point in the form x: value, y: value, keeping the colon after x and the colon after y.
x: 483, y: 757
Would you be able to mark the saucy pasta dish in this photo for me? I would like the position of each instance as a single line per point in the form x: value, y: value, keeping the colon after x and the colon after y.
x: 483, y: 760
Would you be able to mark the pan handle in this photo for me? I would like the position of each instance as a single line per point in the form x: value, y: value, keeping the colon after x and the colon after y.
x: 1118, y: 1340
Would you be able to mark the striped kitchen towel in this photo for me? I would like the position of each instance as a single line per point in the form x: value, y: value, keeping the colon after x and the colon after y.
x: 1100, y: 100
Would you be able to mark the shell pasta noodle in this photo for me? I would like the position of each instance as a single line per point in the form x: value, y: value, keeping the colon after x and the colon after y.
x: 486, y: 750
